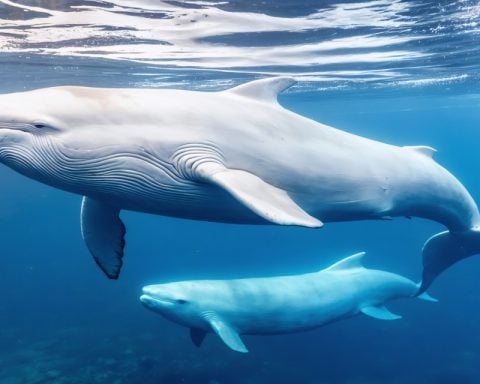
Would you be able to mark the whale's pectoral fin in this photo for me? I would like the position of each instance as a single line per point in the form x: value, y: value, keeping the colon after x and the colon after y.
x: 103, y: 231
x: 380, y: 313
x: 228, y: 335
x: 197, y: 335
x: 266, y: 200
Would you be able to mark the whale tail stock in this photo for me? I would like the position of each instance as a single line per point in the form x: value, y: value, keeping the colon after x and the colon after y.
x: 444, y: 249
x: 424, y: 295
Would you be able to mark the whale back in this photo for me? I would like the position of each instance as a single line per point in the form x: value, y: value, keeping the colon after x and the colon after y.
x: 368, y: 285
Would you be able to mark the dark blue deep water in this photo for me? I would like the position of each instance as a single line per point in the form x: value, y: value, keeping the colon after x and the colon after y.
x: 402, y: 72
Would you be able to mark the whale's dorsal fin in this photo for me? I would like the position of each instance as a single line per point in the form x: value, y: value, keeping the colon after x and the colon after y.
x: 227, y: 333
x: 263, y: 89
x: 351, y: 262
x: 422, y: 149
x: 379, y: 312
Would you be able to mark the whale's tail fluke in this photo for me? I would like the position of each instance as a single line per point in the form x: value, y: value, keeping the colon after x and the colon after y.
x: 444, y: 249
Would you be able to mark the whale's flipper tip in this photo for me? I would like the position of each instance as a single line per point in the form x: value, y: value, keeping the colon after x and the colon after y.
x: 443, y: 250
x: 104, y: 233
x: 227, y: 333
x: 197, y: 335
x: 379, y: 312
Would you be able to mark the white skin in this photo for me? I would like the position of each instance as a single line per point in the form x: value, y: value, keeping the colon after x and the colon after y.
x: 276, y: 305
x: 137, y: 150
x: 235, y: 156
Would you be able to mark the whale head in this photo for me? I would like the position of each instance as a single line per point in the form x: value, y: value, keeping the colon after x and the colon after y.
x: 182, y: 302
x: 47, y: 133
x: 26, y: 117
x: 202, y: 305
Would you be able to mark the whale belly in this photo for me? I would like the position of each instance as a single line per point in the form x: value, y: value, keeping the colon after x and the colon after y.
x: 139, y: 180
x: 287, y: 304
x: 190, y: 201
x: 185, y: 199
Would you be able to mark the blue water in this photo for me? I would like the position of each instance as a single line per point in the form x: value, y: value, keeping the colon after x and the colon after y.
x: 62, y: 321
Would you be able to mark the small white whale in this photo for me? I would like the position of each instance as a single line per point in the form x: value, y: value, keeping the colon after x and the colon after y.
x: 234, y: 156
x: 275, y: 305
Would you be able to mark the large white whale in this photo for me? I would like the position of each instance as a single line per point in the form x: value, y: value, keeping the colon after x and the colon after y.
x: 275, y: 305
x: 234, y: 156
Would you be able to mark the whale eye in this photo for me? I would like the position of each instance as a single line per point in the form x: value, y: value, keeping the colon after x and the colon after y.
x: 41, y: 126
x: 181, y: 301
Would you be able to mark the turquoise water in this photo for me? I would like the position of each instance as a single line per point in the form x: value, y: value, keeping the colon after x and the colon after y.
x: 407, y: 76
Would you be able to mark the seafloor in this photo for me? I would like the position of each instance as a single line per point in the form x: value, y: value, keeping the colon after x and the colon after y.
x: 73, y: 356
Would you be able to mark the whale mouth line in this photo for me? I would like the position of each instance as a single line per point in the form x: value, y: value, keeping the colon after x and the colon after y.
x: 145, y: 299
x: 15, y: 127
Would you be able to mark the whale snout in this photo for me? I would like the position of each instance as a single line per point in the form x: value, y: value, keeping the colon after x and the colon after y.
x: 146, y: 300
x: 152, y: 297
x: 153, y: 303
x: 147, y: 290
x: 10, y: 132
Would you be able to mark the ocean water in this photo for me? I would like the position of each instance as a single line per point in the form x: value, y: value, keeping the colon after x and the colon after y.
x: 402, y: 72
